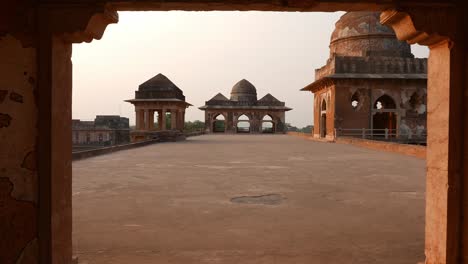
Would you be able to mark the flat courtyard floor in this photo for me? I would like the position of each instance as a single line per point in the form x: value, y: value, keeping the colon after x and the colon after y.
x: 242, y: 199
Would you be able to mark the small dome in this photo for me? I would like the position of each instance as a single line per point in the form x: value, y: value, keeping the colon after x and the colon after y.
x: 361, y: 34
x: 244, y: 91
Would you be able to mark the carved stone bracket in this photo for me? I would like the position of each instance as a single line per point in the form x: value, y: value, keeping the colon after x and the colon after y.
x: 94, y: 29
x: 405, y: 29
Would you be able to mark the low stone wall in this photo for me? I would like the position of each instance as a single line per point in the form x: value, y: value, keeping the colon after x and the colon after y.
x: 101, y: 151
x: 405, y: 149
x: 106, y: 150
x: 309, y: 136
x: 194, y: 134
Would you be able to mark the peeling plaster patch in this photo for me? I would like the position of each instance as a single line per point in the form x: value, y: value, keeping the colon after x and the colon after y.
x: 421, y: 109
x: 24, y: 183
x: 364, y: 26
x: 21, y: 217
x: 5, y: 120
x: 348, y: 32
x: 16, y: 97
x: 29, y: 162
x: 268, y: 199
x: 29, y: 255
x: 3, y: 94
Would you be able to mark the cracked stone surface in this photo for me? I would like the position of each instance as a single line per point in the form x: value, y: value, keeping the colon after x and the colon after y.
x: 171, y: 203
x: 268, y: 199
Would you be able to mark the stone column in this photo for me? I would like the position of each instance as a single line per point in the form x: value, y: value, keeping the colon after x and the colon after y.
x: 181, y: 115
x: 163, y: 119
x: 183, y: 119
x: 151, y: 120
x: 146, y: 117
x: 173, y: 119
x: 137, y: 120
x: 159, y: 120
x: 447, y: 125
x: 140, y: 120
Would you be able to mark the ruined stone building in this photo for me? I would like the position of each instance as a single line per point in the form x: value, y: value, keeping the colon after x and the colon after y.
x: 372, y: 84
x: 155, y: 100
x: 105, y: 130
x: 243, y: 113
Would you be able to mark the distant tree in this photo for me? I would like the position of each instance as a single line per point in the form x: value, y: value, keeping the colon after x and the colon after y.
x: 308, y: 129
x: 219, y: 126
x: 291, y: 128
x: 196, y: 125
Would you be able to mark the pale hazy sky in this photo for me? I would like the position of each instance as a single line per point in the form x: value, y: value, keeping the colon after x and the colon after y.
x: 204, y: 53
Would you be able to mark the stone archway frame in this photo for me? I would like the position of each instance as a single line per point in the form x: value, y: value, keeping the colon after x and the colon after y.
x: 214, y: 120
x: 237, y: 120
x: 445, y: 170
x: 273, y: 121
x: 396, y: 110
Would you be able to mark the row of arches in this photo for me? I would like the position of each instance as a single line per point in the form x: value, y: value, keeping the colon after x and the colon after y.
x: 243, y: 124
x: 384, y: 114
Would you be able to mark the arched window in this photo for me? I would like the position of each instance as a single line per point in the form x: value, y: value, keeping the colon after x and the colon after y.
x: 355, y: 100
x: 268, y: 126
x: 243, y: 124
x: 384, y: 102
x: 324, y: 105
x: 219, y: 124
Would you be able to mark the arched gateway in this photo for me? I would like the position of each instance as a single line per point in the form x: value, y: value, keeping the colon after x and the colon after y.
x: 244, y: 113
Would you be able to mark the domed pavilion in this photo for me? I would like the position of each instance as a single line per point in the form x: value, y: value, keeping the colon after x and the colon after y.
x: 372, y: 85
x: 243, y: 113
x: 158, y: 99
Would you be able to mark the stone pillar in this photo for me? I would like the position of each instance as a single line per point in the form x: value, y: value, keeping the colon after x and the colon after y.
x: 445, y: 157
x: 140, y: 119
x: 146, y: 117
x: 447, y: 125
x: 182, y: 121
x: 54, y: 161
x: 173, y: 119
x: 163, y: 119
x: 151, y: 120
x: 160, y: 118
x: 137, y: 119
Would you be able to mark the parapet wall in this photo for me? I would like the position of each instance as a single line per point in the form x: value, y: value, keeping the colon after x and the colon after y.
x: 405, y: 149
x: 101, y: 151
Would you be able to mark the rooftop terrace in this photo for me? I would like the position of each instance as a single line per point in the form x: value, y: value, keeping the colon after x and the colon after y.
x: 249, y: 199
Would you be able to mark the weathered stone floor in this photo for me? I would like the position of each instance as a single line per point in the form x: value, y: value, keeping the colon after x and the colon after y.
x: 188, y: 202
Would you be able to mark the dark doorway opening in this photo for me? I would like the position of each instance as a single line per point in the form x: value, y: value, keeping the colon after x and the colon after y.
x: 323, y: 125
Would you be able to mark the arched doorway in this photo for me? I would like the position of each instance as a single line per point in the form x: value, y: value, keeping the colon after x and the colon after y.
x: 385, y: 116
x: 323, y: 119
x: 219, y: 124
x: 243, y: 124
x: 268, y: 125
